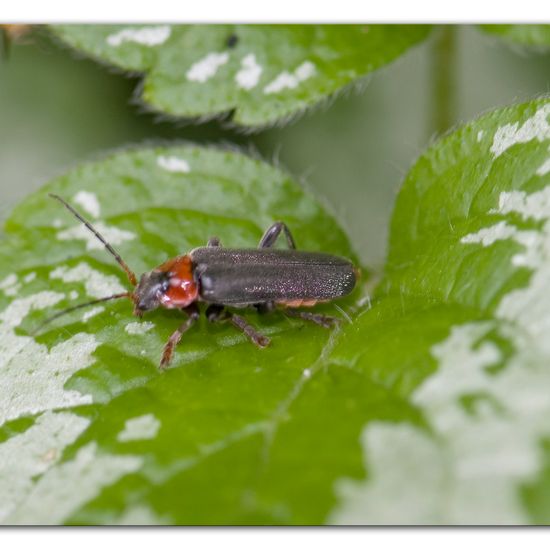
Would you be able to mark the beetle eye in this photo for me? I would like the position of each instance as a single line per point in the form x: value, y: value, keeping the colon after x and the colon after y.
x: 161, y: 290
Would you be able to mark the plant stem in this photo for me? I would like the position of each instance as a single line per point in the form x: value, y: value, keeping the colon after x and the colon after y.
x: 443, y: 64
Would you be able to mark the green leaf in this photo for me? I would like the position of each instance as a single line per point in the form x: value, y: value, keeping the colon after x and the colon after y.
x: 90, y: 430
x: 526, y: 35
x: 459, y: 330
x: 431, y: 406
x: 258, y: 74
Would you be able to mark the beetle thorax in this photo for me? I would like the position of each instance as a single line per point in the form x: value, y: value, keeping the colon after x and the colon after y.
x: 170, y: 285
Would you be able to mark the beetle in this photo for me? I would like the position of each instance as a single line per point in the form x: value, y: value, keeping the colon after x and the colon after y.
x: 263, y: 278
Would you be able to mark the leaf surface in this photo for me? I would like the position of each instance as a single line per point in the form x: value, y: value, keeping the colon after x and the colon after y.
x: 91, y: 432
x: 459, y: 330
x: 431, y: 406
x: 261, y: 74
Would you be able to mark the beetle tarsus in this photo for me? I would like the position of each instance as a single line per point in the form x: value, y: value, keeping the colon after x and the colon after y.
x: 175, y: 338
x: 217, y: 313
x: 325, y: 321
x: 255, y: 337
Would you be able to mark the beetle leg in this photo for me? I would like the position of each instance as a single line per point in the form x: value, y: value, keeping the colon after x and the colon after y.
x: 216, y: 313
x: 213, y: 241
x: 193, y: 314
x: 272, y: 233
x: 255, y: 337
x: 325, y: 321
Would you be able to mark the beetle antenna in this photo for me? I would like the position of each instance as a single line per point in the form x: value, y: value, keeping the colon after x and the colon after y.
x: 79, y: 306
x: 122, y: 263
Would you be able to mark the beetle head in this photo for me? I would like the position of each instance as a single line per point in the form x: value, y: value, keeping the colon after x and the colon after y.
x: 170, y: 285
x: 149, y: 291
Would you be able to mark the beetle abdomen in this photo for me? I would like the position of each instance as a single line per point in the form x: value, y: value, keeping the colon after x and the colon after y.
x: 251, y: 276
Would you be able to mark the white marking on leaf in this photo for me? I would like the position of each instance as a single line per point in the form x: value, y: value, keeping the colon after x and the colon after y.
x: 89, y: 202
x: 64, y: 489
x: 92, y: 313
x: 537, y: 127
x: 32, y: 377
x: 544, y: 168
x: 489, y: 235
x: 97, y: 284
x: 375, y: 501
x: 33, y: 452
x: 13, y: 290
x: 139, y: 327
x: 174, y: 164
x: 141, y: 515
x: 146, y: 36
x: 535, y: 206
x: 112, y: 234
x: 30, y: 277
x: 140, y: 427
x: 305, y: 71
x: 529, y: 307
x: 42, y: 374
x: 480, y: 135
x: 470, y: 470
x: 502, y: 231
x: 10, y: 285
x: 207, y: 67
x: 249, y: 73
x: 291, y: 80
x: 17, y: 310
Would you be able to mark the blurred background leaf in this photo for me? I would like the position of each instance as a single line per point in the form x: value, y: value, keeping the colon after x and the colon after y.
x: 56, y: 108
x: 526, y: 35
x: 258, y: 75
